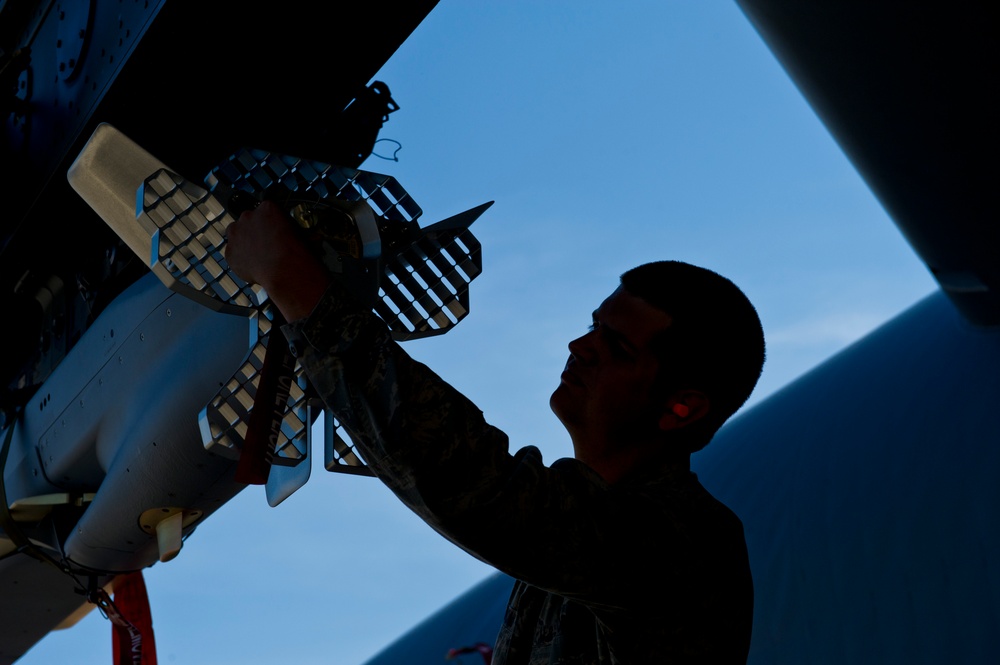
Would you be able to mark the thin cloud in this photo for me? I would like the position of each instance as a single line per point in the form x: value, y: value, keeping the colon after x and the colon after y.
x: 831, y: 329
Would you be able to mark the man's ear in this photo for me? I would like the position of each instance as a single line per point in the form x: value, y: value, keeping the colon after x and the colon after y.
x: 683, y: 408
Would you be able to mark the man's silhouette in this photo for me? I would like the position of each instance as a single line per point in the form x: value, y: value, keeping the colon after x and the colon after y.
x: 620, y: 555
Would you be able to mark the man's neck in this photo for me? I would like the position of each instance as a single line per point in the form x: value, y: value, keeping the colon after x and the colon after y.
x: 635, y: 461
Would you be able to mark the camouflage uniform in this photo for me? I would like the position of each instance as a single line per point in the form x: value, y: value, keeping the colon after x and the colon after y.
x: 649, y: 570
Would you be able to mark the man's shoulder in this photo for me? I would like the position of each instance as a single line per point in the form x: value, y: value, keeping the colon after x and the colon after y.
x: 677, y: 502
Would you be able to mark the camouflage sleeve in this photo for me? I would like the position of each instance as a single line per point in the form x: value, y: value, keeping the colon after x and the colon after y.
x: 422, y: 438
x: 560, y: 527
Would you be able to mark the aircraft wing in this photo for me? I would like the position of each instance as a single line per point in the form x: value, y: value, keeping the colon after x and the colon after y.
x: 904, y: 89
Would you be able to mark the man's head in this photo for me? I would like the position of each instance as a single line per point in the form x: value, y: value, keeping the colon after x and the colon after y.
x: 714, y: 344
x: 673, y: 352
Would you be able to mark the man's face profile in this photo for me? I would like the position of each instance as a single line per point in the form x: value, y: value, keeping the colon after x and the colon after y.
x: 605, y: 397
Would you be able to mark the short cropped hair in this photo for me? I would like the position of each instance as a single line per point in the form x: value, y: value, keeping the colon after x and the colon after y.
x: 714, y: 344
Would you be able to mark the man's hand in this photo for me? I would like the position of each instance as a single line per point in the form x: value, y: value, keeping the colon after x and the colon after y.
x: 262, y: 248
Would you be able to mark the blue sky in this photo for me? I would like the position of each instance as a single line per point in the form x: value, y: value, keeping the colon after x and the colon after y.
x: 609, y: 134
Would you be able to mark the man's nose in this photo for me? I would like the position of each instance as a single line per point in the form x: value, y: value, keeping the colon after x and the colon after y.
x: 582, y: 347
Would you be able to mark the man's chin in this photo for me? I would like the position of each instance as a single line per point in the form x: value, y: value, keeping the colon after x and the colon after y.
x: 554, y: 401
x: 561, y: 403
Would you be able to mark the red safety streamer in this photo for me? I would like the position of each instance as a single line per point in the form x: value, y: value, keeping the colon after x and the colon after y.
x: 132, y: 636
x: 483, y: 649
